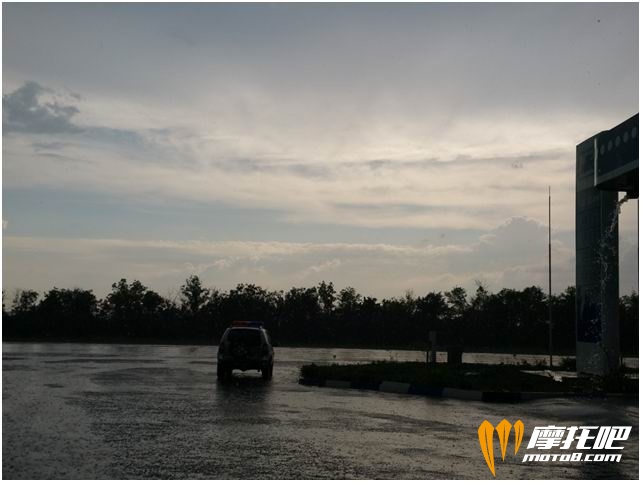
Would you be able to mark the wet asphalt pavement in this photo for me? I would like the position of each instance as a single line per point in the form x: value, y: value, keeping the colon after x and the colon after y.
x: 152, y: 411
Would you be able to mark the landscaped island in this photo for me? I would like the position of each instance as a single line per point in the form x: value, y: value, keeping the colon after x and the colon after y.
x: 481, y: 377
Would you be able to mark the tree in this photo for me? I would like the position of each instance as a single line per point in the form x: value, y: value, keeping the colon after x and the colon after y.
x: 327, y: 297
x: 212, y: 315
x: 399, y: 321
x: 433, y: 310
x: 348, y: 300
x: 68, y: 312
x: 22, y: 320
x: 299, y: 314
x: 458, y: 306
x: 563, y: 320
x: 510, y: 319
x: 24, y: 301
x: 124, y: 308
x: 481, y: 297
x: 251, y: 302
x: 193, y: 295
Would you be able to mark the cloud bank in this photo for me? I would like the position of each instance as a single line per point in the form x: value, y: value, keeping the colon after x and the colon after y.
x: 340, y: 123
x: 512, y: 254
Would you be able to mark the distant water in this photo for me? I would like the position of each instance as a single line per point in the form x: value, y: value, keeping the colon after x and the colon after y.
x: 285, y: 354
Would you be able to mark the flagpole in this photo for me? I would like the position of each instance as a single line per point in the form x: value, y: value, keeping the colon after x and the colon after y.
x: 550, y: 271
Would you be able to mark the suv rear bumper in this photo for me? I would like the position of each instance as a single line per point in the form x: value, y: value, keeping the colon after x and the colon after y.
x: 244, y: 364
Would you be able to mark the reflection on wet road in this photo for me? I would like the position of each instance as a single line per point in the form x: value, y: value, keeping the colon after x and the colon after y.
x: 151, y: 411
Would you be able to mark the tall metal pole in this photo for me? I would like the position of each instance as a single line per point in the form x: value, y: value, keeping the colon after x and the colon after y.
x: 550, y: 271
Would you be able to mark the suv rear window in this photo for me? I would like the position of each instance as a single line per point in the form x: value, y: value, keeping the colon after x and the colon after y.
x: 244, y: 336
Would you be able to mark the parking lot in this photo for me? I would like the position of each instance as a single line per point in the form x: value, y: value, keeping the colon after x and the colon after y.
x: 150, y: 411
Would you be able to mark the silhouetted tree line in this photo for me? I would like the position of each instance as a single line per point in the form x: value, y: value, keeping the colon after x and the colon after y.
x: 504, y: 321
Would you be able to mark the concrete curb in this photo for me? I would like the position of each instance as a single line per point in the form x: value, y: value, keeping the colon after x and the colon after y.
x: 444, y: 392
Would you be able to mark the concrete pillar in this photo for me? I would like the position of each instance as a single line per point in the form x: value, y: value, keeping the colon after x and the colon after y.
x: 597, y: 269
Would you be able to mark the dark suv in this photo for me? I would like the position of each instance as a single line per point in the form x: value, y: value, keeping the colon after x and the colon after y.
x: 245, y: 346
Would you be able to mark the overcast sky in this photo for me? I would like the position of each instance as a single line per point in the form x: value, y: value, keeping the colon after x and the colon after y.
x: 385, y: 147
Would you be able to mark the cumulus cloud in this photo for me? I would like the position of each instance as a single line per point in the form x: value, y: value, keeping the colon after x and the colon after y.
x: 33, y: 109
x: 24, y: 111
x: 324, y: 267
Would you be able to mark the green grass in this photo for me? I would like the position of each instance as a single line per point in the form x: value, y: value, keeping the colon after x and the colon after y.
x: 509, y: 378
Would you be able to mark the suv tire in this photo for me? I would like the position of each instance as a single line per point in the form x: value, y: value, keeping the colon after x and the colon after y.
x: 267, y: 372
x: 223, y: 372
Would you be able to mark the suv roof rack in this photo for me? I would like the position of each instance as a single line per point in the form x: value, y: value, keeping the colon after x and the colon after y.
x: 248, y: 324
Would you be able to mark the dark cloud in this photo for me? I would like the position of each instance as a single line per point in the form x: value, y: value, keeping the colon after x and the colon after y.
x: 244, y: 165
x: 182, y: 37
x: 515, y: 162
x: 390, y: 207
x: 47, y: 146
x: 23, y: 111
x: 121, y: 137
x: 75, y: 95
x: 378, y: 164
x: 323, y: 170
x: 309, y: 170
